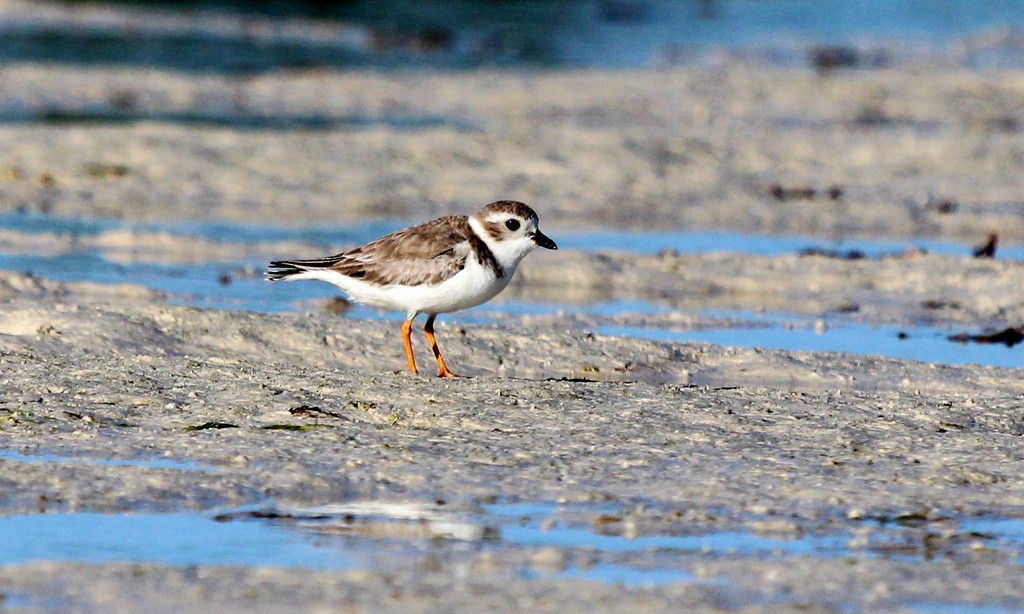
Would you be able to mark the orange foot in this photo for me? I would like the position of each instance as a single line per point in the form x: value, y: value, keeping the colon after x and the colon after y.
x: 443, y: 371
x: 442, y: 366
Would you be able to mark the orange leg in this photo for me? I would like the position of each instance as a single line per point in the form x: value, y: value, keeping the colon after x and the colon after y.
x: 442, y: 368
x: 407, y: 338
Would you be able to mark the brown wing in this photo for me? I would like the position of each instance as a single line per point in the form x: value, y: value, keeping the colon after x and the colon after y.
x: 428, y: 253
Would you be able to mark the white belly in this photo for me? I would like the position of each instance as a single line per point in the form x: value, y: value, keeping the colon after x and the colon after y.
x: 470, y: 287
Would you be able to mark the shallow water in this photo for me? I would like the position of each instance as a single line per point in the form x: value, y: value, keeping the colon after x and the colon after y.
x: 646, y: 242
x: 797, y: 333
x: 239, y: 285
x: 543, y: 525
x: 202, y: 286
x: 349, y: 536
x: 173, y: 539
x: 152, y: 463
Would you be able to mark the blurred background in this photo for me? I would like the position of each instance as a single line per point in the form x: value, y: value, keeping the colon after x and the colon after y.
x: 251, y: 36
x: 179, y: 146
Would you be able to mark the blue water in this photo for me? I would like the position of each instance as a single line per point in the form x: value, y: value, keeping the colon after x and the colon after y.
x: 528, y: 527
x: 743, y: 542
x: 172, y: 539
x: 201, y: 284
x: 240, y: 285
x: 197, y: 539
x: 459, y: 34
x: 926, y: 344
x: 152, y: 463
x: 636, y: 42
x: 644, y: 242
x: 1008, y: 533
x: 183, y: 539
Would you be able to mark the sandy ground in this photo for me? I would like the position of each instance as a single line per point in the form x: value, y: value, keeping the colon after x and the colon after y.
x: 932, y: 153
x: 675, y: 437
x: 530, y: 427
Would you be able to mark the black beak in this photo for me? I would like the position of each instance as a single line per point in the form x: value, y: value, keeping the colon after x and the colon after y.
x: 543, y: 240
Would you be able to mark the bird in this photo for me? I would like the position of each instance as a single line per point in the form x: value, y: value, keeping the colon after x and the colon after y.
x: 448, y: 264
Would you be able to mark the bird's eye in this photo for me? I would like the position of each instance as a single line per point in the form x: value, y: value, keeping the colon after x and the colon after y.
x: 512, y: 224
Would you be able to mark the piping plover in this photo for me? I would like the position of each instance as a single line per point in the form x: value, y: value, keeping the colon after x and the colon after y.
x: 451, y: 263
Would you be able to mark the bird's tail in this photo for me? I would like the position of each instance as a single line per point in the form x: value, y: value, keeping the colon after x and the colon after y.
x: 295, y: 269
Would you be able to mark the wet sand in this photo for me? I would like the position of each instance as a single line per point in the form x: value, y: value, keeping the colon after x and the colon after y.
x: 676, y: 437
x: 904, y: 287
x: 885, y: 152
x: 550, y: 415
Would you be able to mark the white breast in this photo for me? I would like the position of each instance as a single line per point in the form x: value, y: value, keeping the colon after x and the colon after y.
x: 472, y: 286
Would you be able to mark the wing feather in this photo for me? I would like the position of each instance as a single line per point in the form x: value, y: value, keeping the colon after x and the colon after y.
x: 427, y: 253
